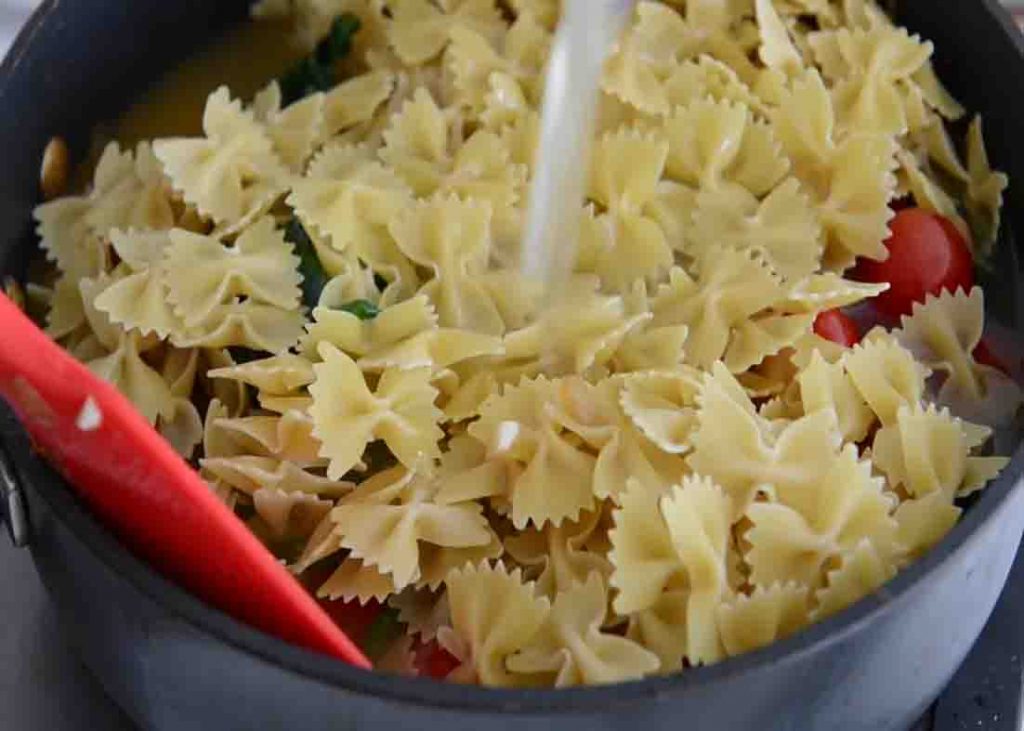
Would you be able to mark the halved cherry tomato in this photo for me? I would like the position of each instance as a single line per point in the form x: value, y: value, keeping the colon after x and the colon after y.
x: 927, y: 254
x: 839, y: 328
x: 355, y: 619
x: 434, y: 661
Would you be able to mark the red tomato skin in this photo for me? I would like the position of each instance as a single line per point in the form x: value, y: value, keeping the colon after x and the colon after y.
x: 354, y: 619
x: 927, y: 254
x: 839, y: 328
x: 983, y: 354
x: 434, y: 661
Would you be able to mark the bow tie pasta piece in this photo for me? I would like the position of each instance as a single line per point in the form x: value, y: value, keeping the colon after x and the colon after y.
x: 494, y: 614
x: 288, y: 437
x: 628, y: 454
x: 927, y: 450
x: 485, y: 76
x: 357, y: 337
x: 571, y: 649
x: 67, y: 239
x: 437, y: 562
x: 652, y: 47
x: 912, y: 180
x: 107, y: 335
x: 348, y: 197
x: 130, y: 192
x: 483, y: 171
x: 435, y: 349
x: 715, y: 142
x: 355, y: 102
x: 581, y: 333
x: 139, y: 300
x: 452, y: 238
x: 727, y: 310
x: 125, y: 369
x: 805, y: 125
x: 697, y: 515
x: 420, y: 30
x: 521, y: 139
x: 350, y: 283
x: 707, y: 77
x: 644, y: 559
x: 402, y: 336
x: 249, y: 473
x: 281, y: 375
x: 596, y: 414
x: 625, y: 244
x: 649, y: 348
x: 783, y: 227
x: 886, y: 375
x: 552, y: 477
x: 662, y: 629
x: 416, y: 143
x: 424, y: 147
x: 201, y: 273
x: 867, y: 67
x: 354, y: 581
x: 247, y: 324
x: 322, y: 543
x: 850, y: 177
x: 557, y: 555
x: 385, y: 520
x: 794, y: 538
x: 126, y: 193
x: 984, y: 192
x: 745, y: 455
x: 855, y: 214
x: 768, y: 614
x: 663, y: 406
x: 183, y: 428
x: 231, y: 175
x: 296, y: 130
x: 943, y: 334
x: 777, y: 50
x: 862, y: 570
x: 925, y: 521
x: 347, y: 416
x: 289, y: 516
x: 828, y: 291
x: 827, y: 386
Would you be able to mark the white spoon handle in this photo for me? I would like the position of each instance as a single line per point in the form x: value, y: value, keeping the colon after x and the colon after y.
x: 588, y: 30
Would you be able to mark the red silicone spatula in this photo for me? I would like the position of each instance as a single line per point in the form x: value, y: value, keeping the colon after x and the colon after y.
x: 138, y: 486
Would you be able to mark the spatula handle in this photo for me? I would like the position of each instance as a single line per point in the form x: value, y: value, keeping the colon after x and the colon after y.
x: 142, y: 490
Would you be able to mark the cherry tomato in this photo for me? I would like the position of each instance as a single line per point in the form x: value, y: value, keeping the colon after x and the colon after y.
x: 354, y: 619
x: 984, y: 355
x: 434, y: 661
x: 839, y: 328
x: 927, y: 254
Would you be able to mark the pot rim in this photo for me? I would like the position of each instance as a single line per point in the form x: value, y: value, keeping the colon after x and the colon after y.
x: 38, y: 476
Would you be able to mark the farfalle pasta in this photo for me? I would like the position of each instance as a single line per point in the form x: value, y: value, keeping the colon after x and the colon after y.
x: 676, y: 458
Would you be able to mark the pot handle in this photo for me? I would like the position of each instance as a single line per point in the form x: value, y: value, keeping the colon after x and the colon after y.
x: 12, y: 503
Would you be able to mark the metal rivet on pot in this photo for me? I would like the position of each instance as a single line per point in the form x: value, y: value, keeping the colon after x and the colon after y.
x: 13, y: 504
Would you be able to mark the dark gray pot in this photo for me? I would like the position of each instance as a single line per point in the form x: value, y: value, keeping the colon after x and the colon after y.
x: 174, y: 663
